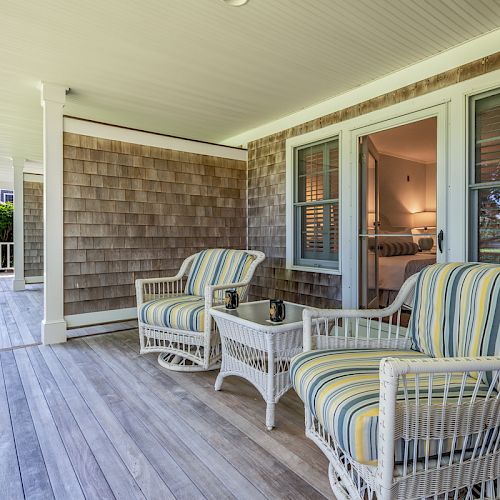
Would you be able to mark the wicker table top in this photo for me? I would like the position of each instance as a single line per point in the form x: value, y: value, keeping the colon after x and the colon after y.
x: 258, y: 314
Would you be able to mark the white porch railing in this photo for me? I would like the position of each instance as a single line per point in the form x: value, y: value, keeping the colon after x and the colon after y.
x: 6, y: 256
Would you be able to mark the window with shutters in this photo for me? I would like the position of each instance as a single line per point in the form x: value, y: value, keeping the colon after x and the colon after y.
x: 316, y: 205
x: 484, y: 178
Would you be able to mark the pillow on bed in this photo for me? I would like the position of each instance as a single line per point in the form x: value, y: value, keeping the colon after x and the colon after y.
x: 394, y: 248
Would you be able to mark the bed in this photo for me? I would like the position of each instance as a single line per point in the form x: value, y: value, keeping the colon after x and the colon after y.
x: 393, y: 271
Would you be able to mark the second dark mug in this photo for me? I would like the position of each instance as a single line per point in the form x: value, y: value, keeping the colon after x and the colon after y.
x: 232, y: 299
x: 277, y: 310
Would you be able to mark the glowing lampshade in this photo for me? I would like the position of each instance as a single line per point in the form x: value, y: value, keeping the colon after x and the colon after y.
x: 423, y: 220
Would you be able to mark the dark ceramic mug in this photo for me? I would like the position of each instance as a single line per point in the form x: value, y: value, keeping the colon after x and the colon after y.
x: 277, y: 310
x: 232, y: 299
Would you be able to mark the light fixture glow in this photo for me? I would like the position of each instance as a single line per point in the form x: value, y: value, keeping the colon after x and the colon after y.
x: 235, y: 3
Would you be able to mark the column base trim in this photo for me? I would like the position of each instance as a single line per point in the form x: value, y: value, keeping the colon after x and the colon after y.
x: 18, y: 285
x: 54, y: 332
x: 32, y: 280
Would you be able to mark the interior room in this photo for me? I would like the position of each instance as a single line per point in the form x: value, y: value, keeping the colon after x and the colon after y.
x: 401, y: 207
x: 250, y: 249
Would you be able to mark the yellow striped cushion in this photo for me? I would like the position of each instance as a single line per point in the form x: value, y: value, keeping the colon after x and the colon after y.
x: 185, y: 312
x: 341, y: 388
x: 456, y: 310
x: 216, y: 267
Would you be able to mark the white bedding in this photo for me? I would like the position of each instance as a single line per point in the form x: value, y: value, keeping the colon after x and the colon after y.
x: 391, y: 274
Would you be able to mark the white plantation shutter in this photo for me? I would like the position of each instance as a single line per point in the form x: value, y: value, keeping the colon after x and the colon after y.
x: 316, y: 202
x: 484, y: 187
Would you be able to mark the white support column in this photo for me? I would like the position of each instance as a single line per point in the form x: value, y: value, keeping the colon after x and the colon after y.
x: 18, y: 284
x: 53, y: 98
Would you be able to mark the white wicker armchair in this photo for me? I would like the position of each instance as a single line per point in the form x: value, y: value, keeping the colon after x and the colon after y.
x: 173, y: 313
x: 411, y: 412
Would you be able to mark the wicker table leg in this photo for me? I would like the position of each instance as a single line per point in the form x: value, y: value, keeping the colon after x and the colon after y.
x: 270, y: 416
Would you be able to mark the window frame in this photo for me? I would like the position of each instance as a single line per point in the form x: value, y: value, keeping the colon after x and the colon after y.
x: 473, y: 187
x: 293, y: 226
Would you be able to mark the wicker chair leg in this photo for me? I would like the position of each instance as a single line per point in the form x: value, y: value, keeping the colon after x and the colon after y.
x: 218, y: 382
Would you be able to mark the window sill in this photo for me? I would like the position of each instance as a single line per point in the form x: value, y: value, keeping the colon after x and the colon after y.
x: 320, y: 270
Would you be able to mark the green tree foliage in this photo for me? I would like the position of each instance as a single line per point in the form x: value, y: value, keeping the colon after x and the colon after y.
x: 6, y: 221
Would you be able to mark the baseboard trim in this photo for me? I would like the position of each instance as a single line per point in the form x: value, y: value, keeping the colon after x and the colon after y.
x: 32, y: 280
x: 100, y: 317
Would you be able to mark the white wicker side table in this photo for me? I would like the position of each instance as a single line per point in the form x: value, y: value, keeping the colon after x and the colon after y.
x: 258, y: 350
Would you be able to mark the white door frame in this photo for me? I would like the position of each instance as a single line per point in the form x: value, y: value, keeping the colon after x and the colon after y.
x: 350, y: 288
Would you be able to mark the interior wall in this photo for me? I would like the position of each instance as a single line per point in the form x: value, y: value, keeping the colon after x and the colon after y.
x: 403, y: 190
x: 266, y: 191
x: 430, y: 187
x: 133, y: 211
x: 33, y: 225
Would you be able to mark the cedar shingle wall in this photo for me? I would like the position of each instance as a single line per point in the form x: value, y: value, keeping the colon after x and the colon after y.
x: 133, y: 211
x: 266, y: 193
x: 33, y: 228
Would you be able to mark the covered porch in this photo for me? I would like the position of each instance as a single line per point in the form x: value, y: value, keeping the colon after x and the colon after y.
x: 92, y: 419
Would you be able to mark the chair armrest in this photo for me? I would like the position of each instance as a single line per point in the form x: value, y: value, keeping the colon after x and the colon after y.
x: 360, y: 328
x: 394, y: 367
x: 149, y: 288
x: 211, y: 289
x: 445, y: 402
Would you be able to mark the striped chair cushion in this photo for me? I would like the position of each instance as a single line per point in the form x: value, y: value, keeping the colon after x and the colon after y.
x: 216, y: 267
x: 455, y: 310
x: 341, y: 388
x: 185, y: 312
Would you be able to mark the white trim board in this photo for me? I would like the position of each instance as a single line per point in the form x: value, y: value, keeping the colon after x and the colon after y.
x: 457, y: 56
x: 100, y: 317
x: 115, y: 133
x: 33, y: 177
x: 32, y: 280
x: 33, y: 167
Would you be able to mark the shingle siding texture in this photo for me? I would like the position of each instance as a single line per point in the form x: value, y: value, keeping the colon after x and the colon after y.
x: 133, y: 211
x: 33, y: 228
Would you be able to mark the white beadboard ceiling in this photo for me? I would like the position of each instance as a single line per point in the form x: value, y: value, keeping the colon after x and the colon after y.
x: 203, y: 70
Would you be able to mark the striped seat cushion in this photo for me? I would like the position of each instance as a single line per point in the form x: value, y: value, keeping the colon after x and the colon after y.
x: 216, y: 267
x: 185, y: 312
x: 341, y: 388
x: 456, y: 311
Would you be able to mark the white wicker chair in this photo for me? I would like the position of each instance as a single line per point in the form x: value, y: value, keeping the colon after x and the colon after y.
x: 434, y: 418
x: 168, y: 307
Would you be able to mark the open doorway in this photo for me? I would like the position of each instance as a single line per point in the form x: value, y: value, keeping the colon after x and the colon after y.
x: 397, y: 195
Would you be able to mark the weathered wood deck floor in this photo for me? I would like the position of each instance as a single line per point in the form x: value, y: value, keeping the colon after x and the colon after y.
x: 93, y: 419
x: 21, y: 315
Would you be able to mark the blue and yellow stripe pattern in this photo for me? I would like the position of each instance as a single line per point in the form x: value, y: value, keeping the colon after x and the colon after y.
x: 456, y: 310
x: 341, y: 388
x: 186, y: 312
x: 215, y: 267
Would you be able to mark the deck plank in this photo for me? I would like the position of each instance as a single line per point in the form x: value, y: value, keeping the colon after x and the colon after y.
x: 12, y: 329
x: 10, y: 477
x: 59, y: 468
x: 258, y: 465
x: 36, y: 482
x: 190, y: 449
x: 24, y: 316
x: 146, y: 476
x: 123, y: 405
x: 116, y: 473
x: 85, y: 465
x: 288, y: 445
